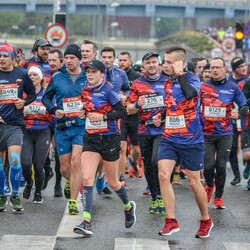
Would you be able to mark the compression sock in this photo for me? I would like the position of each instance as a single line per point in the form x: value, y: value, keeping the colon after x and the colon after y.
x: 87, y: 201
x: 122, y: 193
x: 2, y: 178
x: 15, y: 171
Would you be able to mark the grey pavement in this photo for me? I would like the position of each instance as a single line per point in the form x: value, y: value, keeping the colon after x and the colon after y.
x: 48, y: 226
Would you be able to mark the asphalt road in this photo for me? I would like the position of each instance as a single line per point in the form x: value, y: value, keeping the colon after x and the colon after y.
x: 48, y: 226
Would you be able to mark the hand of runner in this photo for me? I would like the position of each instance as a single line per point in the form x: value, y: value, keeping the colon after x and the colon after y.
x: 122, y: 97
x: 59, y: 113
x: 178, y: 67
x: 235, y: 114
x: 157, y: 120
x: 141, y: 100
x: 1, y: 87
x: 95, y: 117
x: 81, y: 113
x: 19, y: 103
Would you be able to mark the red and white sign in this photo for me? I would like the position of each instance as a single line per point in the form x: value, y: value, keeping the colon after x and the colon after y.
x: 228, y: 45
x: 57, y: 35
x: 216, y: 52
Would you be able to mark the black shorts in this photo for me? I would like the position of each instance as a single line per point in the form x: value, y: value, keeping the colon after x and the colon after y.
x: 10, y: 136
x: 108, y: 146
x: 129, y: 127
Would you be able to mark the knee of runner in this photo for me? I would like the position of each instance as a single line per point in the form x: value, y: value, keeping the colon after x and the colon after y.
x: 163, y: 176
x: 15, y: 160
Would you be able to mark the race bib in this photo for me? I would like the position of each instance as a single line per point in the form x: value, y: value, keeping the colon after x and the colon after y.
x: 175, y: 122
x: 154, y: 102
x: 96, y: 127
x: 8, y: 94
x: 35, y: 110
x: 72, y: 105
x: 215, y: 112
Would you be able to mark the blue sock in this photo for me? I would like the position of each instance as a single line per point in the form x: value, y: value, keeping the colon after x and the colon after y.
x: 122, y: 193
x: 2, y: 178
x: 87, y: 201
x: 15, y: 172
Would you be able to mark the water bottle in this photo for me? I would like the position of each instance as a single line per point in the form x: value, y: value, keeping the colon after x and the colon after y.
x: 65, y: 125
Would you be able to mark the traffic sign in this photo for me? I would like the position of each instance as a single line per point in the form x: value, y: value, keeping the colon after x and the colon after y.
x: 247, y: 29
x: 228, y: 45
x: 57, y: 35
x: 247, y: 43
x: 216, y: 52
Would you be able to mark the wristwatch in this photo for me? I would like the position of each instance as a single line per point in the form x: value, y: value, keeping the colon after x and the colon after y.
x: 105, y: 117
x: 181, y: 73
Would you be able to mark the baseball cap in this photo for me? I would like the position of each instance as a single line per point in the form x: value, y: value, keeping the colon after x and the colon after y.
x: 40, y: 43
x: 96, y: 65
x: 148, y: 55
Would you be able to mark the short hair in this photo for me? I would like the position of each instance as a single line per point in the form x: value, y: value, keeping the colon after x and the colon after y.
x: 60, y: 54
x: 202, y: 58
x: 95, y: 47
x: 234, y: 59
x: 219, y: 58
x: 124, y: 53
x: 180, y: 51
x: 21, y: 51
x: 108, y: 49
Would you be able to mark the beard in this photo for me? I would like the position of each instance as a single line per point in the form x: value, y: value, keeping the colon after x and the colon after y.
x: 43, y: 58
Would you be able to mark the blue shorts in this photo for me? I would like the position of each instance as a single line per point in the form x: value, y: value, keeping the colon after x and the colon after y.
x: 192, y: 155
x: 68, y: 137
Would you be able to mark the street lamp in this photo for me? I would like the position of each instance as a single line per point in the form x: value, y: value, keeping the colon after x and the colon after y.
x: 23, y: 32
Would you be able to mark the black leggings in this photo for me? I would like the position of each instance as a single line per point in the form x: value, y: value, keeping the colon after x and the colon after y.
x: 219, y: 147
x: 35, y: 149
x: 149, y: 145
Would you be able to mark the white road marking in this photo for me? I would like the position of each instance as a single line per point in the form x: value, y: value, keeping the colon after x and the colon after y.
x: 236, y: 246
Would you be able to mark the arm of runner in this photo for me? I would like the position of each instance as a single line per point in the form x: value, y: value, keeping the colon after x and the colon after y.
x: 157, y: 120
x: 134, y: 107
x: 19, y: 103
x: 59, y: 113
x: 81, y: 113
x: 48, y: 97
x: 29, y: 99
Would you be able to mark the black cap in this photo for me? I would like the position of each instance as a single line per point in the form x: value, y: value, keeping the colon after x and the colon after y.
x: 40, y: 43
x: 96, y: 65
x: 149, y: 54
x: 73, y: 49
x: 137, y: 67
x: 207, y: 66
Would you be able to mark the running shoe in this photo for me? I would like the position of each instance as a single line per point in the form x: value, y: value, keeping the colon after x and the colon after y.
x: 130, y: 172
x: 23, y: 182
x: 154, y: 207
x: 84, y: 228
x: 16, y: 203
x: 146, y: 191
x: 205, y: 228
x: 48, y: 176
x: 141, y: 174
x: 123, y: 181
x: 161, y: 207
x: 171, y: 226
x: 38, y: 198
x: 235, y: 182
x: 3, y: 203
x: 7, y: 189
x: 134, y: 167
x: 67, y: 190
x: 107, y: 189
x: 176, y: 179
x: 183, y: 174
x: 130, y: 216
x: 209, y: 191
x: 248, y: 185
x: 246, y: 171
x: 27, y: 190
x: 218, y: 204
x: 99, y: 184
x: 58, y: 191
x: 73, y: 208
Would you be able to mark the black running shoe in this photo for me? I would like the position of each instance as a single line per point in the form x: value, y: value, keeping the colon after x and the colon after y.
x: 84, y: 228
x: 58, y: 192
x: 235, y: 182
x: 27, y: 190
x: 48, y: 176
x: 38, y: 198
x: 130, y: 217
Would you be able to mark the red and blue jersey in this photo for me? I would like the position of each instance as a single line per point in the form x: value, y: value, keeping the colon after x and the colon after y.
x: 151, y: 90
x: 217, y: 103
x: 15, y: 82
x: 101, y: 101
x: 35, y: 114
x: 182, y: 117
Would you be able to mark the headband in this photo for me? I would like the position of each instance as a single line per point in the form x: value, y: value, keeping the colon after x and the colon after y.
x: 36, y: 70
x: 237, y: 64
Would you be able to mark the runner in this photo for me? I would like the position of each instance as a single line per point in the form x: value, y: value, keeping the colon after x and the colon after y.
x: 66, y: 85
x: 101, y: 142
x: 12, y: 85
x: 146, y: 97
x: 182, y: 138
x: 89, y: 51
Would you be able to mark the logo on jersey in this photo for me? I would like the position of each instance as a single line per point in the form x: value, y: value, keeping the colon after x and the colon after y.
x: 230, y: 92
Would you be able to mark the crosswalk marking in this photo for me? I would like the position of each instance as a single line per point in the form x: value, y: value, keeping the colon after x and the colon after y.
x: 27, y: 242
x: 145, y: 244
